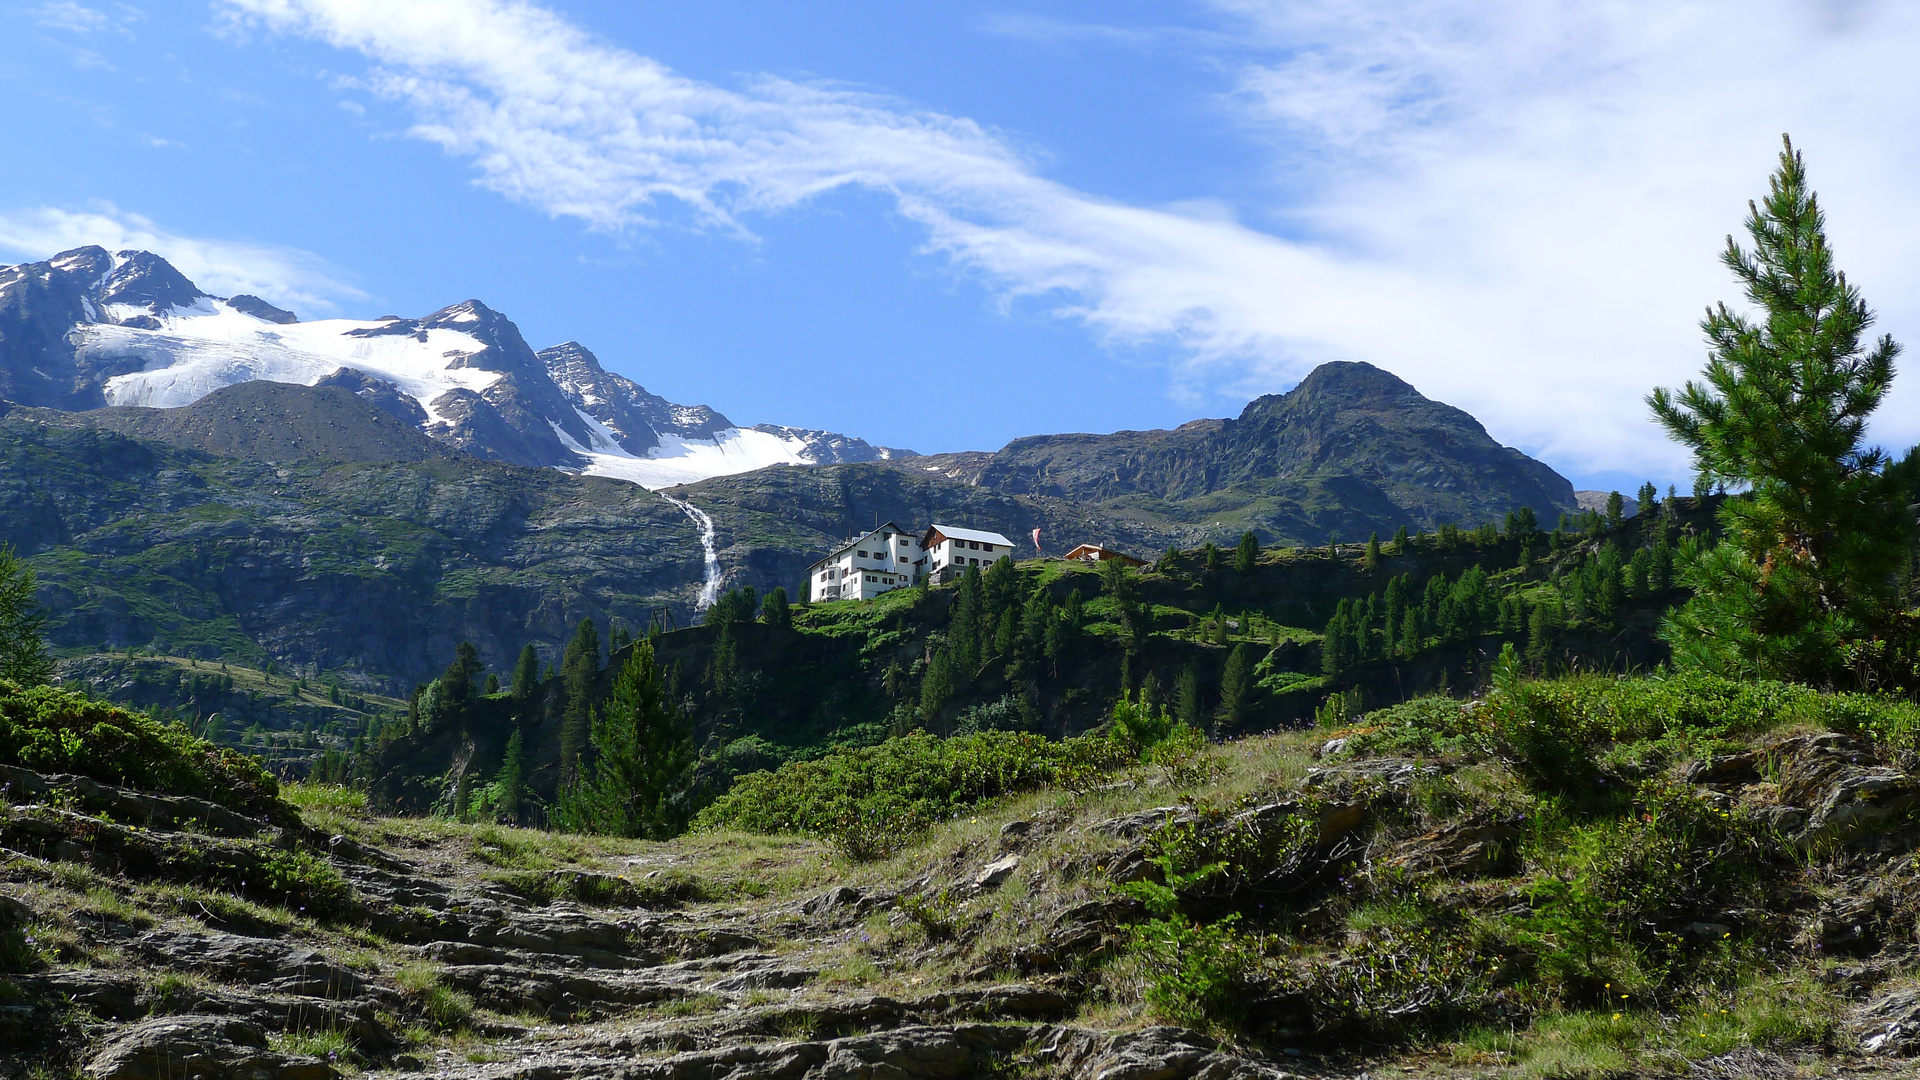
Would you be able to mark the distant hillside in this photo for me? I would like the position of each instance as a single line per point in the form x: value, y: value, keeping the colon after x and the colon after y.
x: 1351, y: 450
x: 310, y: 528
x: 316, y: 560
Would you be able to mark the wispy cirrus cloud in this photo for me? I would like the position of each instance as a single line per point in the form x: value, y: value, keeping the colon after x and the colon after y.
x: 78, y: 18
x: 285, y: 276
x: 1514, y: 205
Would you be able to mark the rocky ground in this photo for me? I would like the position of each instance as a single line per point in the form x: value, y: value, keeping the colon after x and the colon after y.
x: 437, y: 954
x: 164, y: 936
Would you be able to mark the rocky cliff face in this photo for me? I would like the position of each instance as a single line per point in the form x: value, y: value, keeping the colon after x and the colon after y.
x: 636, y: 418
x: 1349, y: 437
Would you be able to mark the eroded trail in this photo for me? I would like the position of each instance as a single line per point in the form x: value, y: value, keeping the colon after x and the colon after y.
x: 178, y: 937
x: 156, y: 936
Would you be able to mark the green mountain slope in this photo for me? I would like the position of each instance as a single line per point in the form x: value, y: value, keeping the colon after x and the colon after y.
x: 376, y: 569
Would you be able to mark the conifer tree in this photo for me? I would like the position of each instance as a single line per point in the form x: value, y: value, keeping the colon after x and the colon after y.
x: 936, y: 688
x: 1649, y: 497
x: 579, y: 669
x: 1373, y: 552
x: 1008, y: 633
x: 1616, y: 509
x: 774, y: 610
x: 23, y: 651
x: 1234, y: 683
x: 643, y: 753
x: 1540, y: 628
x: 964, y: 629
x: 1246, y: 553
x: 526, y: 676
x: 1400, y: 540
x: 1335, y: 649
x: 508, y: 790
x: 1808, y: 566
x: 1187, y: 695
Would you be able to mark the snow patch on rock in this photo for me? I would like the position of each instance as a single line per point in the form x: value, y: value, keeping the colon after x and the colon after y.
x: 200, y: 349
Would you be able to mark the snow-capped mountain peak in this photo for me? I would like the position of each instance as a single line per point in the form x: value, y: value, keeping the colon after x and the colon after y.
x: 89, y: 328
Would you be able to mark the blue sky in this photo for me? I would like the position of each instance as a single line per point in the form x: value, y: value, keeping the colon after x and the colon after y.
x: 943, y: 226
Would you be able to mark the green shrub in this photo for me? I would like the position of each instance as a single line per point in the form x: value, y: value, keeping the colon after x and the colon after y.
x: 50, y: 730
x: 869, y: 801
x: 306, y: 883
x: 1552, y: 729
x: 1201, y: 975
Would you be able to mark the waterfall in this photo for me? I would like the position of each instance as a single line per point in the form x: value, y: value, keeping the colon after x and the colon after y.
x: 710, y: 591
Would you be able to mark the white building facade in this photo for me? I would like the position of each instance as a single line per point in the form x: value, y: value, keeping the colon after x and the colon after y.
x: 885, y: 559
x: 950, y: 550
x: 890, y: 558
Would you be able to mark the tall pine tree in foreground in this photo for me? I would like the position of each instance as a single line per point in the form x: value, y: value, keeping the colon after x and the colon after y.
x: 636, y: 783
x: 1805, y: 584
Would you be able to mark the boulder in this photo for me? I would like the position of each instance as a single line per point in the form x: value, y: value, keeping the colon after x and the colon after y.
x: 1843, y: 786
x: 271, y: 965
x: 1890, y: 1024
x: 199, y: 1048
x: 995, y: 874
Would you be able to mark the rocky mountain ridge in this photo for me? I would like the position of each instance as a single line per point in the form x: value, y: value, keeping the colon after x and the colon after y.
x: 88, y: 328
x: 1349, y: 432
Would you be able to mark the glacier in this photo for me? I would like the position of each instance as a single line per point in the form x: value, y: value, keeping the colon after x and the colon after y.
x: 679, y: 460
x: 201, y: 348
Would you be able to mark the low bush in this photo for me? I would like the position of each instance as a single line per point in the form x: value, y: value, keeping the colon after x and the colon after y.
x: 305, y: 883
x: 50, y: 730
x: 1199, y: 974
x: 869, y: 801
x: 1553, y: 731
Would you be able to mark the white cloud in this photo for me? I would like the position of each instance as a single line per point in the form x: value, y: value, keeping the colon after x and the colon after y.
x: 1514, y: 205
x: 78, y: 18
x: 285, y: 276
x: 67, y: 15
x: 1557, y: 180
